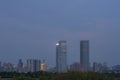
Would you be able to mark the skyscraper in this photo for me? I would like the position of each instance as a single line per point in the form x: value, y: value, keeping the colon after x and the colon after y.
x: 84, y: 55
x: 61, y: 57
x: 20, y: 66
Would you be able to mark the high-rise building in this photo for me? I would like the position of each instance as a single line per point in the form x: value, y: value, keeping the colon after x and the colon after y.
x: 43, y: 66
x: 37, y: 65
x: 61, y: 57
x: 20, y: 66
x: 33, y: 65
x: 84, y: 55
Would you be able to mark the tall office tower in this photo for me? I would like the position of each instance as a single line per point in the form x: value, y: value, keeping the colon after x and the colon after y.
x: 20, y: 66
x: 33, y: 65
x: 84, y: 55
x: 61, y: 57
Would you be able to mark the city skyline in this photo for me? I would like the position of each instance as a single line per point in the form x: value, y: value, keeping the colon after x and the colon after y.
x: 30, y: 29
x: 84, y: 64
x: 34, y: 65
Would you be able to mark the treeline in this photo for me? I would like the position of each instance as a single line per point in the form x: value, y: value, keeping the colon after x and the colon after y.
x: 62, y: 76
x: 87, y: 76
x: 29, y: 74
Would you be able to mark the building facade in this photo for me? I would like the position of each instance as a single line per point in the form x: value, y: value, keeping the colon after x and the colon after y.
x: 61, y: 57
x: 33, y: 65
x: 43, y: 66
x: 20, y: 66
x: 84, y: 55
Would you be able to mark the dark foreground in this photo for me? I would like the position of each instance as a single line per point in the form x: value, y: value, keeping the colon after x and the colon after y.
x: 62, y: 76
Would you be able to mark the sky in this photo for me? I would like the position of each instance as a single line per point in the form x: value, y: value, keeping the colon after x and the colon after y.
x: 31, y: 28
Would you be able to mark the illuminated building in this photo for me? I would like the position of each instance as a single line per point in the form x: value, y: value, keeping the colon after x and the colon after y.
x: 43, y: 66
x: 61, y: 57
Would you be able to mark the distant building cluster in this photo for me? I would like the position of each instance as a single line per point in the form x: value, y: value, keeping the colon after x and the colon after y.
x: 97, y: 67
x: 75, y: 67
x: 32, y: 65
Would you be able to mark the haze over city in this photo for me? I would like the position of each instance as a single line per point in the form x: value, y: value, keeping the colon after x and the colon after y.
x: 31, y: 28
